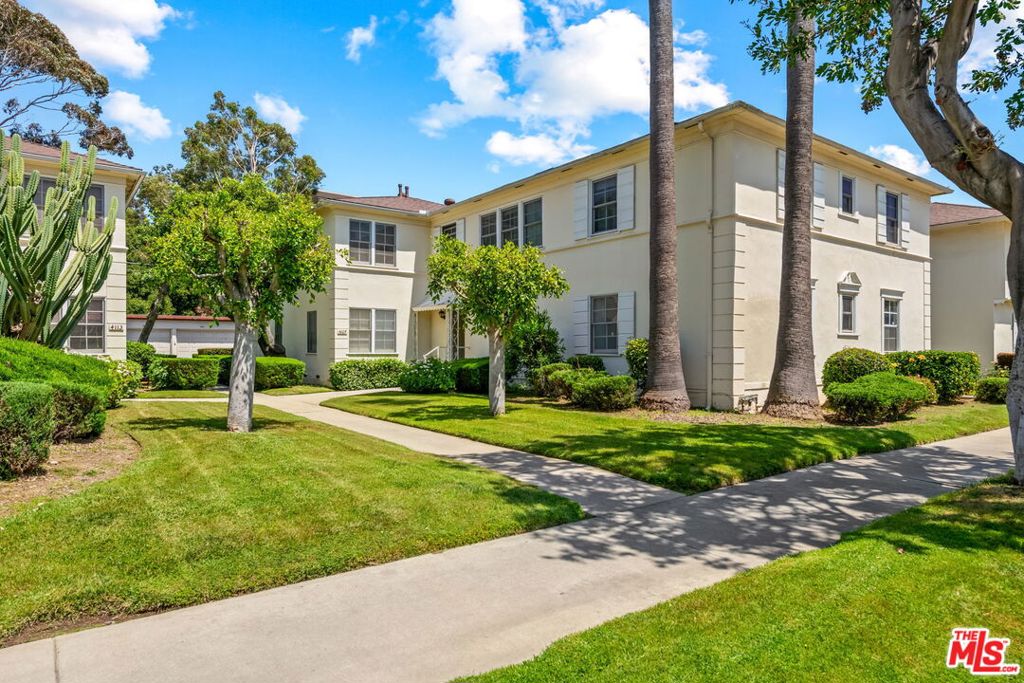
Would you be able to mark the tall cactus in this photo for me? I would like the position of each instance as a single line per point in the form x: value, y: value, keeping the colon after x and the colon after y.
x: 53, y: 260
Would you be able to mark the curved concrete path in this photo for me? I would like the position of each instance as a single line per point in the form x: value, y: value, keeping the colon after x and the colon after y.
x: 470, y: 609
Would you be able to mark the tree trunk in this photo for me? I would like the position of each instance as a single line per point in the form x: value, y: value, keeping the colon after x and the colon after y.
x: 496, y: 372
x: 1015, y: 390
x: 243, y: 378
x: 666, y: 388
x: 269, y: 346
x: 154, y: 311
x: 793, y: 391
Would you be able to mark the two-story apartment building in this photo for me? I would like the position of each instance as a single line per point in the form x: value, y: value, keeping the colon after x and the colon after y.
x: 591, y: 217
x: 102, y: 331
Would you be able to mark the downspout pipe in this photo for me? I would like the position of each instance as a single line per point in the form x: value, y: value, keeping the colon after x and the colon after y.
x: 708, y: 353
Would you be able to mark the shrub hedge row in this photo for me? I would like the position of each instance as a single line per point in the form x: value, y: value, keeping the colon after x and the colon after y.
x: 356, y: 374
x: 954, y: 373
x: 472, y: 375
x: 184, y: 373
x: 877, y: 397
x: 430, y: 376
x: 274, y: 372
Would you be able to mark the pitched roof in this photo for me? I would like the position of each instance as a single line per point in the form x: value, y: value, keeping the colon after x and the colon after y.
x: 394, y: 202
x: 946, y: 212
x: 34, y: 149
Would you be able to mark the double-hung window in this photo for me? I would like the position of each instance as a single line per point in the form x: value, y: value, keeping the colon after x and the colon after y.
x: 372, y: 243
x: 533, y: 223
x: 88, y: 333
x: 604, y: 324
x: 846, y: 194
x: 520, y: 224
x: 489, y: 230
x: 890, y: 325
x: 449, y: 230
x: 892, y: 217
x: 510, y: 225
x: 372, y: 330
x: 604, y: 203
x: 847, y: 313
x: 95, y: 191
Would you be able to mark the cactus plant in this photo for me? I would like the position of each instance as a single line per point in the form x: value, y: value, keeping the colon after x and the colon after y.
x: 54, y: 259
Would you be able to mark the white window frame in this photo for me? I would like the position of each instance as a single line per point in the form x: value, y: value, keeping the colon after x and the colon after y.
x: 852, y: 296
x: 82, y: 323
x: 520, y: 207
x: 591, y: 218
x: 373, y: 332
x: 899, y: 207
x: 853, y: 194
x: 897, y: 298
x: 590, y: 325
x: 373, y: 243
x: 849, y: 285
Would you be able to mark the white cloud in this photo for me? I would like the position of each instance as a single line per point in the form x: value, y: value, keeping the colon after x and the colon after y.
x: 277, y: 110
x: 901, y: 158
x: 982, y: 53
x: 127, y: 110
x: 360, y: 37
x: 556, y: 79
x: 110, y: 33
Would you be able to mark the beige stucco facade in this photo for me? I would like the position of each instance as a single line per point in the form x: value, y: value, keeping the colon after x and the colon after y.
x: 971, y: 309
x: 729, y: 254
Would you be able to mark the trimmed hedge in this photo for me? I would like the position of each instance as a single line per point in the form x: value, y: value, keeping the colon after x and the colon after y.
x: 933, y: 393
x: 563, y: 382
x: 472, y: 375
x: 849, y: 364
x: 431, y: 376
x: 585, y: 360
x: 378, y: 373
x: 274, y: 372
x: 184, y: 373
x: 874, y: 398
x: 992, y: 389
x: 604, y: 392
x: 223, y: 369
x: 540, y: 378
x: 22, y: 361
x: 214, y: 351
x: 954, y: 373
x: 636, y: 358
x: 26, y: 426
x: 78, y: 411
x: 141, y: 353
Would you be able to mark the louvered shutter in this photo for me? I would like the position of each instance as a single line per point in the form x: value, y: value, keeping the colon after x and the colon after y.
x: 780, y: 182
x: 581, y: 209
x: 581, y: 325
x: 626, y: 318
x: 905, y: 221
x: 819, y: 196
x: 624, y: 196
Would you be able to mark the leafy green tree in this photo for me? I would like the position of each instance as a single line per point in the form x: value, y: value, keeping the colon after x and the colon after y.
x: 531, y: 343
x: 42, y: 74
x: 247, y: 251
x: 493, y: 290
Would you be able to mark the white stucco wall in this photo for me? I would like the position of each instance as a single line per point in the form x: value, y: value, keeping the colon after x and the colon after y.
x: 183, y: 337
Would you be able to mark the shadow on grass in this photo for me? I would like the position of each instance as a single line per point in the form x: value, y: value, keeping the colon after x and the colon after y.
x: 200, y: 424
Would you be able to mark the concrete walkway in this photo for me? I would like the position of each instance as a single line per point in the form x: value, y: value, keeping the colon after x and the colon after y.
x: 470, y: 609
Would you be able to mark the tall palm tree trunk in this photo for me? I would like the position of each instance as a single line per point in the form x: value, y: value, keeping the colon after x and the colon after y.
x: 666, y: 388
x: 793, y: 391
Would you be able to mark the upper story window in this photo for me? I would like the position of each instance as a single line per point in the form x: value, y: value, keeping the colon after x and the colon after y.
x: 372, y: 243
x: 846, y: 194
x: 604, y: 205
x: 892, y: 217
x: 520, y: 224
x: 449, y: 230
x: 489, y: 230
x: 96, y: 191
x: 510, y: 225
x: 533, y: 223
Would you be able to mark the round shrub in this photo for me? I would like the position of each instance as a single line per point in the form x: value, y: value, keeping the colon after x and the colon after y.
x: 874, y: 398
x: 954, y: 373
x: 585, y: 360
x: 126, y: 380
x: 141, y: 353
x: 78, y: 411
x: 430, y: 376
x: 636, y: 359
x: 604, y: 392
x: 849, y: 364
x: 26, y: 427
x: 274, y: 372
x: 992, y: 389
x: 933, y: 393
x: 472, y: 375
x: 540, y: 379
x: 563, y: 382
x: 378, y: 373
x: 184, y: 373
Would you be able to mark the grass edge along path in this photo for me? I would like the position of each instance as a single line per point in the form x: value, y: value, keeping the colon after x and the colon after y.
x: 685, y: 457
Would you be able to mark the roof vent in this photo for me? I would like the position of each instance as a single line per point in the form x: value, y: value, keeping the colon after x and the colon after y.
x: 449, y: 201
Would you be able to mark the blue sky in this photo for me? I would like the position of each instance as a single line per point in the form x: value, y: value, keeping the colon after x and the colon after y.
x: 449, y: 98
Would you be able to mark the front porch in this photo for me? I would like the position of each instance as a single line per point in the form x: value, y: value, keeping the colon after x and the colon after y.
x: 437, y: 331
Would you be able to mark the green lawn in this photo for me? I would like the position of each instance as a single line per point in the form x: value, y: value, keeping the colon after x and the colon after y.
x: 204, y: 514
x: 680, y: 456
x: 297, y: 390
x: 861, y: 610
x: 181, y: 393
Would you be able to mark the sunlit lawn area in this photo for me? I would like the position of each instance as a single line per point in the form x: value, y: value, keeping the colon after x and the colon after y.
x: 297, y: 390
x: 686, y: 457
x: 203, y: 514
x: 182, y: 393
x: 878, y: 606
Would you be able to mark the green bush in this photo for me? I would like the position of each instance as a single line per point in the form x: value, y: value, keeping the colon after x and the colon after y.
x: 849, y: 364
x: 540, y: 379
x: 126, y: 380
x: 430, y: 376
x: 530, y: 344
x: 604, y: 392
x: 379, y: 373
x: 586, y: 361
x: 992, y: 389
x: 1004, y: 360
x: 472, y: 375
x: 22, y: 361
x: 184, y: 373
x: 563, y: 382
x: 874, y: 398
x: 954, y: 372
x: 214, y: 351
x: 223, y: 369
x: 933, y: 393
x: 142, y: 354
x: 26, y: 426
x: 636, y: 359
x: 78, y: 411
x: 274, y: 372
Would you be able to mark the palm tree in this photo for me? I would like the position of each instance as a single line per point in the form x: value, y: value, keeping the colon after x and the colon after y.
x: 793, y: 391
x: 666, y: 388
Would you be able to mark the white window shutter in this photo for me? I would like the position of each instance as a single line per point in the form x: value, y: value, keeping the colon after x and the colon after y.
x: 880, y: 194
x: 581, y: 209
x: 905, y: 221
x: 460, y: 230
x: 624, y: 196
x: 780, y: 182
x: 626, y: 319
x: 819, y: 196
x: 581, y: 325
